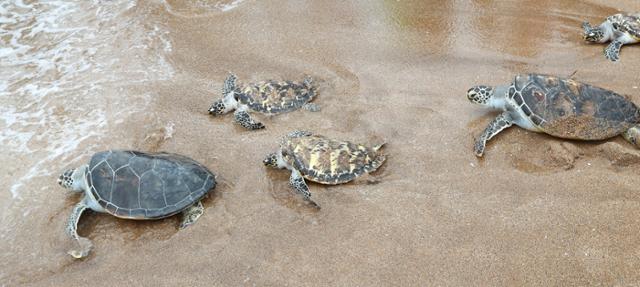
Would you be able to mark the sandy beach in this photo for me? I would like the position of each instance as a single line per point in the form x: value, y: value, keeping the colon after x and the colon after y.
x: 79, y: 78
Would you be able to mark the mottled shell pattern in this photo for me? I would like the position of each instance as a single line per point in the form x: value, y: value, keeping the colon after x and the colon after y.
x: 569, y: 109
x: 629, y: 24
x: 274, y: 97
x: 136, y: 185
x: 329, y: 161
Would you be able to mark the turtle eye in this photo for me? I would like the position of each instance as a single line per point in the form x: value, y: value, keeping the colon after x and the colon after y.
x: 471, y: 94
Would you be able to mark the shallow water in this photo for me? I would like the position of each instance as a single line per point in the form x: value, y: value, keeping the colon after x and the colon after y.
x: 83, y: 77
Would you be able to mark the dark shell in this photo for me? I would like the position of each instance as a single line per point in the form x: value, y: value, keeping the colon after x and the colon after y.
x: 273, y: 97
x: 330, y: 161
x: 568, y: 109
x: 626, y: 23
x: 137, y: 185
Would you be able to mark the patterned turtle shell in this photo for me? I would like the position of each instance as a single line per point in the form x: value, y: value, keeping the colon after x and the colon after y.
x: 629, y: 23
x: 329, y: 161
x: 275, y: 97
x: 137, y: 185
x: 568, y: 109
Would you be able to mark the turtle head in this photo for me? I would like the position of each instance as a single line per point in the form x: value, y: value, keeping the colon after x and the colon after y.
x: 229, y: 99
x: 480, y: 94
x: 72, y: 179
x: 217, y: 108
x: 592, y: 34
x: 271, y: 160
x: 222, y: 106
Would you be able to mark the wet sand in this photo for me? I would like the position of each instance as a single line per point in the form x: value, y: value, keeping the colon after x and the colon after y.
x: 534, y: 211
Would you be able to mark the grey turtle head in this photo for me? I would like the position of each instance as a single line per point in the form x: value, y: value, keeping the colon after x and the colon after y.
x: 217, y: 108
x: 480, y: 94
x: 271, y: 160
x: 592, y: 34
x: 72, y: 179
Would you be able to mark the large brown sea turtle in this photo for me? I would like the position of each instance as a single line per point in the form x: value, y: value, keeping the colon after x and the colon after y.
x: 137, y: 185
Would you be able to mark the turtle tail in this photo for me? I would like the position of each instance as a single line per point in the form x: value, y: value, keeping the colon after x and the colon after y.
x: 376, y: 163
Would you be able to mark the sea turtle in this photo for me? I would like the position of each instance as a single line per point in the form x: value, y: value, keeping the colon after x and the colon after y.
x: 268, y: 97
x: 322, y: 160
x: 560, y: 107
x: 137, y: 185
x: 620, y: 29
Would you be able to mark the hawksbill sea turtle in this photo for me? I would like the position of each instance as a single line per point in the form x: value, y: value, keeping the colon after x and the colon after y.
x: 322, y: 160
x: 560, y: 107
x: 268, y: 97
x: 620, y: 29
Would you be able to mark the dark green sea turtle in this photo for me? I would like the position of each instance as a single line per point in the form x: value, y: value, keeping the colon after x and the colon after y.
x: 559, y: 107
x: 137, y: 185
x: 620, y: 29
x: 323, y: 160
x: 269, y: 97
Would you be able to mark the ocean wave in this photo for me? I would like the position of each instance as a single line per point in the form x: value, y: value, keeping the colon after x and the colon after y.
x: 199, y: 8
x: 58, y: 60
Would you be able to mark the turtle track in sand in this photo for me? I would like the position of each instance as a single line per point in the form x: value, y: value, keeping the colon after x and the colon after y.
x: 543, y: 154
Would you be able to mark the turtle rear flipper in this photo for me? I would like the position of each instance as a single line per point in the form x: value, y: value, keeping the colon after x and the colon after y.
x: 298, y: 133
x: 308, y: 82
x: 376, y: 163
x: 377, y: 147
x: 632, y: 135
x: 191, y: 214
x: 311, y: 107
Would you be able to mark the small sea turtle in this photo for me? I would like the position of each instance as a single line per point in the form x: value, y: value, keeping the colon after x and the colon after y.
x: 560, y: 107
x: 322, y: 160
x: 137, y: 185
x: 268, y: 97
x: 620, y: 29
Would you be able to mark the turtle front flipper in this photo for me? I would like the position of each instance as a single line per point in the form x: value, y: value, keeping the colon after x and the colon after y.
x: 191, y: 214
x: 297, y: 182
x: 243, y: 118
x: 84, y: 244
x: 612, y: 52
x: 229, y: 84
x: 500, y: 123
